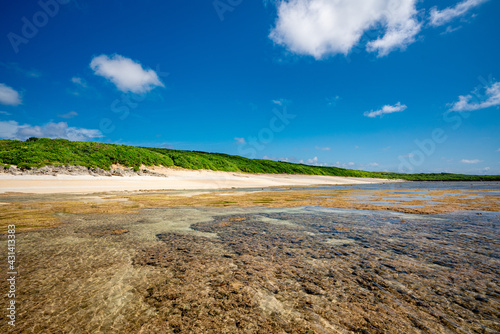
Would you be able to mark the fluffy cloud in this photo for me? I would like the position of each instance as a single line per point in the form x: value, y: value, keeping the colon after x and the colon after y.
x: 387, y: 109
x: 474, y: 161
x: 492, y: 95
x: 327, y: 27
x: 9, y: 96
x: 127, y: 75
x: 323, y: 148
x: 440, y: 17
x: 13, y: 130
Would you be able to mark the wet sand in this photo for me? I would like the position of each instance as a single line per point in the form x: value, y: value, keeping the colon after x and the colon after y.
x: 245, y: 262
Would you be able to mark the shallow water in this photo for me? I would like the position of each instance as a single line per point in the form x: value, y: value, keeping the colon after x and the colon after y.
x: 262, y: 270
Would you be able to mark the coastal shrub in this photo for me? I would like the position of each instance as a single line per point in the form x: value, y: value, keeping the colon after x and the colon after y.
x: 39, y: 152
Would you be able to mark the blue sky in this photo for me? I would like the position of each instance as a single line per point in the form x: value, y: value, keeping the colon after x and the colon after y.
x: 380, y: 85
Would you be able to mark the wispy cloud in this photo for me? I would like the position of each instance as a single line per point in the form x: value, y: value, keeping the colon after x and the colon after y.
x: 9, y: 96
x: 326, y: 148
x: 450, y: 29
x: 387, y: 109
x: 474, y: 161
x: 323, y: 28
x: 79, y: 81
x: 127, y: 75
x: 492, y: 99
x: 332, y: 101
x: 441, y: 17
x: 15, y: 131
x: 17, y: 68
x: 281, y: 102
x: 68, y: 115
x: 240, y: 141
x: 5, y: 113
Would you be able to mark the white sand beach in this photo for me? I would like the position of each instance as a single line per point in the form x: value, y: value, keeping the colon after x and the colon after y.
x: 176, y: 179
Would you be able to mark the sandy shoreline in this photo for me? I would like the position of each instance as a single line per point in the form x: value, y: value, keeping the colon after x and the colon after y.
x: 174, y: 180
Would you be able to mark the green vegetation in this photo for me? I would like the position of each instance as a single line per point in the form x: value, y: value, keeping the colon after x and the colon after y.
x: 38, y: 152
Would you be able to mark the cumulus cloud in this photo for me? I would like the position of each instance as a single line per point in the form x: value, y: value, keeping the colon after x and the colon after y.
x: 441, y: 17
x: 492, y: 99
x: 387, y: 109
x: 322, y: 28
x: 127, y: 75
x: 474, y: 161
x: 9, y: 96
x: 349, y: 164
x: 14, y: 130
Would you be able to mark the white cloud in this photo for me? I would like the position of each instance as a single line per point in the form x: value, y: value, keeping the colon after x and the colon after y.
x: 15, y: 131
x: 79, y: 81
x: 323, y: 148
x: 283, y: 159
x: 5, y: 113
x: 450, y: 29
x: 127, y: 75
x: 281, y: 102
x: 9, y: 96
x: 70, y: 114
x: 498, y: 150
x: 322, y: 28
x: 344, y: 165
x: 387, y: 109
x: 373, y: 164
x: 312, y: 161
x: 332, y: 101
x: 240, y: 140
x: 492, y: 99
x: 440, y: 17
x: 474, y: 161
